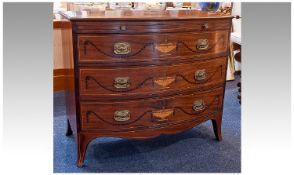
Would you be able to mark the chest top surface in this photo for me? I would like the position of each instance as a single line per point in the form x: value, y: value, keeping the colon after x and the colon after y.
x: 139, y: 15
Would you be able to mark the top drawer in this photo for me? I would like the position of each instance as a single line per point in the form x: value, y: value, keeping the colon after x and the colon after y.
x: 152, y: 26
x: 151, y: 48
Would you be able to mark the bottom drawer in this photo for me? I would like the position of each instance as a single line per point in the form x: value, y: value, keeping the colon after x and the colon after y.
x: 150, y: 113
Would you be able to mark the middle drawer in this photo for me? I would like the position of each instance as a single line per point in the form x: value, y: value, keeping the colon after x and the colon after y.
x: 151, y: 80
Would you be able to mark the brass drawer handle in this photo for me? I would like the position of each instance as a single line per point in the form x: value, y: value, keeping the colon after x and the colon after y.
x: 204, y: 26
x: 122, y: 48
x: 123, y: 28
x: 198, y: 105
x: 202, y: 44
x: 200, y: 74
x: 122, y: 115
x: 121, y: 82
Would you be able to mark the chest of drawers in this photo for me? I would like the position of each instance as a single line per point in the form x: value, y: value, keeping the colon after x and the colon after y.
x: 140, y: 74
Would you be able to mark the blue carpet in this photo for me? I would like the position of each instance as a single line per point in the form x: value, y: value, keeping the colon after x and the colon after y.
x: 195, y: 150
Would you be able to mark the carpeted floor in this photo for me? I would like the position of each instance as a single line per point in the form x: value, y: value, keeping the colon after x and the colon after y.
x: 195, y: 150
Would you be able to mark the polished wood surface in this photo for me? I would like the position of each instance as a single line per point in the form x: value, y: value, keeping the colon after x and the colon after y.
x: 151, y: 80
x: 131, y: 27
x: 149, y: 15
x: 147, y: 114
x: 63, y: 54
x: 61, y: 24
x: 59, y: 79
x: 140, y: 74
x: 161, y: 47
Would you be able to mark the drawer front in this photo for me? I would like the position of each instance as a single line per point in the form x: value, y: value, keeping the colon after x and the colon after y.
x: 151, y: 48
x: 151, y: 113
x: 151, y: 80
x: 112, y: 27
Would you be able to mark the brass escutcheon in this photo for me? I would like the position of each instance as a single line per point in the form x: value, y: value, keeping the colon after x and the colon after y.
x: 198, y: 105
x: 164, y: 81
x: 204, y: 26
x: 162, y: 115
x: 122, y: 48
x: 202, y: 44
x: 121, y: 82
x: 122, y: 115
x: 166, y: 47
x: 200, y: 74
x: 123, y: 28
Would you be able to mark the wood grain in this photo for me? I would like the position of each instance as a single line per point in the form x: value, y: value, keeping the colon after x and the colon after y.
x: 100, y: 49
x: 130, y: 27
x: 99, y: 82
x: 141, y: 74
x: 59, y: 79
x: 142, y: 15
x: 99, y: 115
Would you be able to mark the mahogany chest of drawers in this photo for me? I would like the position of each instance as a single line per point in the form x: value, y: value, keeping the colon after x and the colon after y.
x: 140, y: 74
